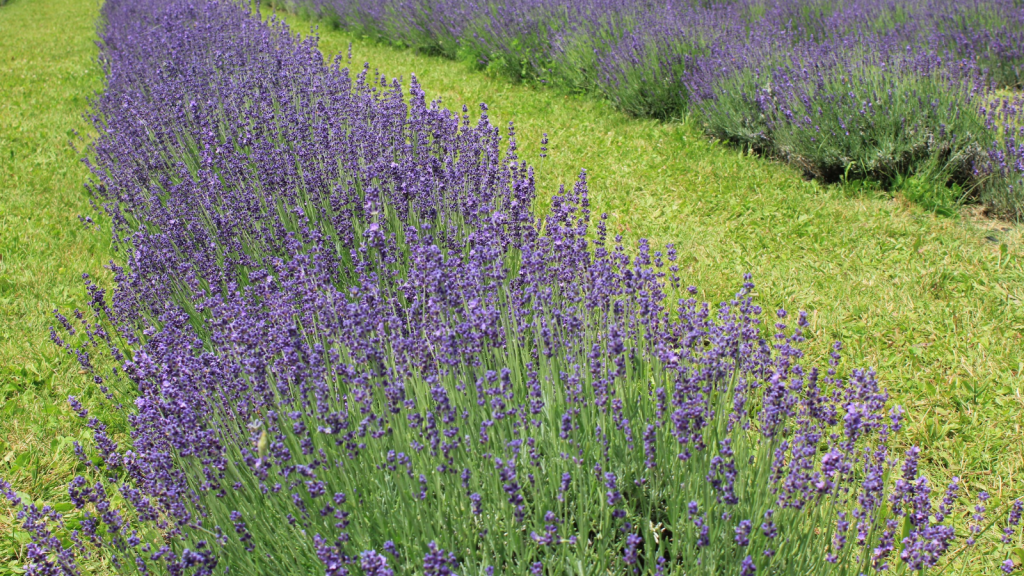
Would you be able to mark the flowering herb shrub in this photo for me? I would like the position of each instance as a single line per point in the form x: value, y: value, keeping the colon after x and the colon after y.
x: 346, y: 345
x: 849, y: 89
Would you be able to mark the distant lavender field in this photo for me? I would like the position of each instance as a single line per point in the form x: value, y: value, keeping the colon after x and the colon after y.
x: 842, y: 89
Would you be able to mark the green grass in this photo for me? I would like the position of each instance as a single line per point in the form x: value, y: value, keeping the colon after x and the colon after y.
x: 47, y: 74
x: 933, y: 303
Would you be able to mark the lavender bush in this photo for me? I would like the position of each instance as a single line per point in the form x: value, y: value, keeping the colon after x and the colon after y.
x: 851, y: 89
x: 345, y: 344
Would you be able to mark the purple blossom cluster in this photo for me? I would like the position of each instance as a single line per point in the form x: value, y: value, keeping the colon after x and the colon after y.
x: 345, y: 344
x: 842, y: 89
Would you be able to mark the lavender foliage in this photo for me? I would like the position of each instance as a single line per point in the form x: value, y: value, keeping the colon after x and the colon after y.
x: 340, y: 329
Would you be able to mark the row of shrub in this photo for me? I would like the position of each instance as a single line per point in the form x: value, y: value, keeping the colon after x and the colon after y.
x: 343, y: 343
x: 846, y: 89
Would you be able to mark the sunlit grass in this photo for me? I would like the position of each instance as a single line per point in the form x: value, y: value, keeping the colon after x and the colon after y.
x: 47, y: 74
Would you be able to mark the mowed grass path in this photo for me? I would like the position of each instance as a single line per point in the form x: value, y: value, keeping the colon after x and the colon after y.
x: 48, y: 71
x: 932, y: 303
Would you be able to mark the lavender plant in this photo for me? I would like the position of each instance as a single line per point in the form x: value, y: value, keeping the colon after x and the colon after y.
x: 882, y: 118
x: 902, y: 74
x: 1006, y: 157
x: 345, y: 344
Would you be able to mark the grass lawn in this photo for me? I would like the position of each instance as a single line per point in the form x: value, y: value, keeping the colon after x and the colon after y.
x: 933, y: 303
x: 48, y: 73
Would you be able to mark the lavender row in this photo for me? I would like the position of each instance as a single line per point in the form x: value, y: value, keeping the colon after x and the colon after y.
x: 345, y: 344
x: 853, y: 89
